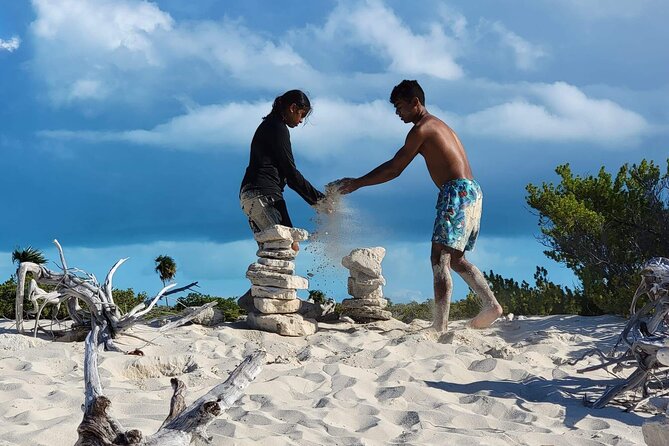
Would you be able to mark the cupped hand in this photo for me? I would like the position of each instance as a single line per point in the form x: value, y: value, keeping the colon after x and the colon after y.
x: 347, y: 185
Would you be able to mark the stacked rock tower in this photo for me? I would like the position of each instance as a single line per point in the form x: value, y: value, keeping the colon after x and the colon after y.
x: 274, y: 284
x: 365, y: 285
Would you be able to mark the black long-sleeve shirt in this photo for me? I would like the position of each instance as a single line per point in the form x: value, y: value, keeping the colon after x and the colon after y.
x: 272, y: 166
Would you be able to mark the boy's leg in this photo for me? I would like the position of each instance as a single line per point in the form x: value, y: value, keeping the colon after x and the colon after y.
x: 491, y: 309
x: 443, y: 285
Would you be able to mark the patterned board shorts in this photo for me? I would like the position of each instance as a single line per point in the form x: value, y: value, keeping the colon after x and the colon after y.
x: 458, y: 214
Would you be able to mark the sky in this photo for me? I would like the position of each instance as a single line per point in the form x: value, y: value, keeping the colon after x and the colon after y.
x: 125, y: 125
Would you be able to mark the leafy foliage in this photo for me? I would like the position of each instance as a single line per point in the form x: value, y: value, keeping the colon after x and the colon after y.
x: 228, y: 305
x: 412, y: 310
x: 604, y: 228
x: 8, y: 298
x: 542, y: 299
x: 28, y: 254
x: 166, y: 268
x: 317, y: 296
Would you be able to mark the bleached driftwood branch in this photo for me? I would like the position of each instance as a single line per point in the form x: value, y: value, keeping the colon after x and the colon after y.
x: 182, y: 425
x: 645, y: 340
x: 72, y: 288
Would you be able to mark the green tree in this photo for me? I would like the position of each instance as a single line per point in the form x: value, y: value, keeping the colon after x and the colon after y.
x: 317, y: 296
x: 166, y: 268
x: 604, y: 228
x: 228, y: 305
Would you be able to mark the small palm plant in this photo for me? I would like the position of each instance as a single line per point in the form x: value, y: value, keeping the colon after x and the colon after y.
x: 166, y: 268
x: 28, y: 254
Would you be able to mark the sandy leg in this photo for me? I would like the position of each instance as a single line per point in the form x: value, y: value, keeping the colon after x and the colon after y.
x: 443, y: 287
x: 490, y: 308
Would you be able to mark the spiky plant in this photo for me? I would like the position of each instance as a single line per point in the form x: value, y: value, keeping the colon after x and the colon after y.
x: 28, y: 254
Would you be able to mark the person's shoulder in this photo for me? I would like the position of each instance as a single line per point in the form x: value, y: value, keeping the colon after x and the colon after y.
x: 274, y: 122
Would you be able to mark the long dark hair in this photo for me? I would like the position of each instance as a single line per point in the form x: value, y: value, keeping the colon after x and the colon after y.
x: 297, y: 97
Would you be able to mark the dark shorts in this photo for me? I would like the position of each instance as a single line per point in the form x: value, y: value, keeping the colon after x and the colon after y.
x: 264, y: 211
x: 458, y: 214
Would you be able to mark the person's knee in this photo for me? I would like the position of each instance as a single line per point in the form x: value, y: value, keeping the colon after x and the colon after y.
x: 439, y: 257
x: 459, y: 264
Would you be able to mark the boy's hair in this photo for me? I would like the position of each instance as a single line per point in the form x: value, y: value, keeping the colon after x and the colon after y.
x: 407, y: 90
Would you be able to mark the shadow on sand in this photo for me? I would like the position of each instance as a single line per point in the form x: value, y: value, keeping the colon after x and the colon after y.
x: 567, y: 392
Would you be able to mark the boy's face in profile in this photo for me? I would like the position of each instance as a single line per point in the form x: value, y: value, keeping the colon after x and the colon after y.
x: 405, y: 110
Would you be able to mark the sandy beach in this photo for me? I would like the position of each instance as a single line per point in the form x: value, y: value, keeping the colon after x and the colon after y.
x: 348, y: 384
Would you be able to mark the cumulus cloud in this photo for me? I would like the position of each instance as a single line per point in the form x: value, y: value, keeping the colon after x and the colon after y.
x: 543, y: 112
x: 562, y: 113
x: 374, y: 25
x: 333, y: 128
x: 10, y: 45
x: 115, y: 50
x: 526, y: 54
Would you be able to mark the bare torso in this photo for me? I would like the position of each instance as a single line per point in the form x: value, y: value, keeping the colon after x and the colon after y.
x: 443, y: 152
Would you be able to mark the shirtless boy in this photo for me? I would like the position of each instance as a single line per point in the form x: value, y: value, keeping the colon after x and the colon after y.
x: 458, y: 205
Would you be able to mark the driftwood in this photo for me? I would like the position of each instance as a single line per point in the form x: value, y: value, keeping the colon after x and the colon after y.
x: 73, y: 286
x: 184, y: 423
x: 189, y: 317
x: 643, y: 344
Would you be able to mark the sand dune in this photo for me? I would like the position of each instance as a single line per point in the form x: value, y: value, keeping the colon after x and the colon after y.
x: 382, y: 383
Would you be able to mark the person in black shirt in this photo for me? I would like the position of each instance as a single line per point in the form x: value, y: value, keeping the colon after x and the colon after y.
x: 272, y: 166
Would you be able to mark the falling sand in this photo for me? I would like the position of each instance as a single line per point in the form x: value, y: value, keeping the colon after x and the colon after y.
x: 337, y: 223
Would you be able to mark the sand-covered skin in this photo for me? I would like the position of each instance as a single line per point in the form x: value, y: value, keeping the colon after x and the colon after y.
x: 383, y: 383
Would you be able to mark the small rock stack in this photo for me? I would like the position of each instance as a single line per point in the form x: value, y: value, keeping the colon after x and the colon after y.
x: 365, y: 285
x: 274, y: 285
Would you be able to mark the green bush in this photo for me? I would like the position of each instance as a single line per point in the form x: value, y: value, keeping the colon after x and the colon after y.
x: 227, y: 305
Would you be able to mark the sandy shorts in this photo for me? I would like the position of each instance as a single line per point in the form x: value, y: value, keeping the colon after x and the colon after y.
x: 263, y: 211
x: 458, y: 214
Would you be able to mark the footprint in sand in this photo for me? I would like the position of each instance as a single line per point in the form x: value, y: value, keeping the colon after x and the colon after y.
x: 483, y: 365
x: 389, y: 393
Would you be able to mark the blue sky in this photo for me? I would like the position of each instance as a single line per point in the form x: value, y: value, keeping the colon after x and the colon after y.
x: 126, y: 124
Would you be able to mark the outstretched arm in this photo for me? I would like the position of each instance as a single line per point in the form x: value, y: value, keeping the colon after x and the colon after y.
x: 389, y: 170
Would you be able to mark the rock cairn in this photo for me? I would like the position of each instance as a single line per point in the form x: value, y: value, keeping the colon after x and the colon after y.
x: 365, y: 285
x: 274, y: 284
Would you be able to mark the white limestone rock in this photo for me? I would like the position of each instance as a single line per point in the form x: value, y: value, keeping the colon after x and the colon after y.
x: 283, y: 324
x: 362, y: 277
x: 278, y: 244
x: 364, y: 303
x: 272, y: 269
x: 273, y: 292
x: 266, y: 278
x: 279, y: 232
x: 267, y: 305
x: 364, y: 314
x: 208, y: 317
x: 365, y: 260
x: 279, y: 254
x: 276, y: 263
x: 365, y: 287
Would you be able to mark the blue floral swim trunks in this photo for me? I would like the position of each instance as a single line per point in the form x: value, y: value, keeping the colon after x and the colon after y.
x: 458, y: 214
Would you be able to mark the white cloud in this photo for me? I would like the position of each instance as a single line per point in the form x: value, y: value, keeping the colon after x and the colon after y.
x: 372, y: 24
x: 525, y: 53
x: 548, y: 112
x: 562, y: 113
x: 10, y: 45
x: 333, y: 128
x: 117, y: 50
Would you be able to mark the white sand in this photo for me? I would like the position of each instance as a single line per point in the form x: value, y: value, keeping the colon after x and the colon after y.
x: 382, y: 383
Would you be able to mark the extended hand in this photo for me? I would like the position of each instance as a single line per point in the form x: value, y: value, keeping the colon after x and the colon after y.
x: 347, y: 185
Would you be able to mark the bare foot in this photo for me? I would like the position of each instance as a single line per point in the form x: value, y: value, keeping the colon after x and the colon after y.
x: 295, y: 246
x: 486, y: 317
